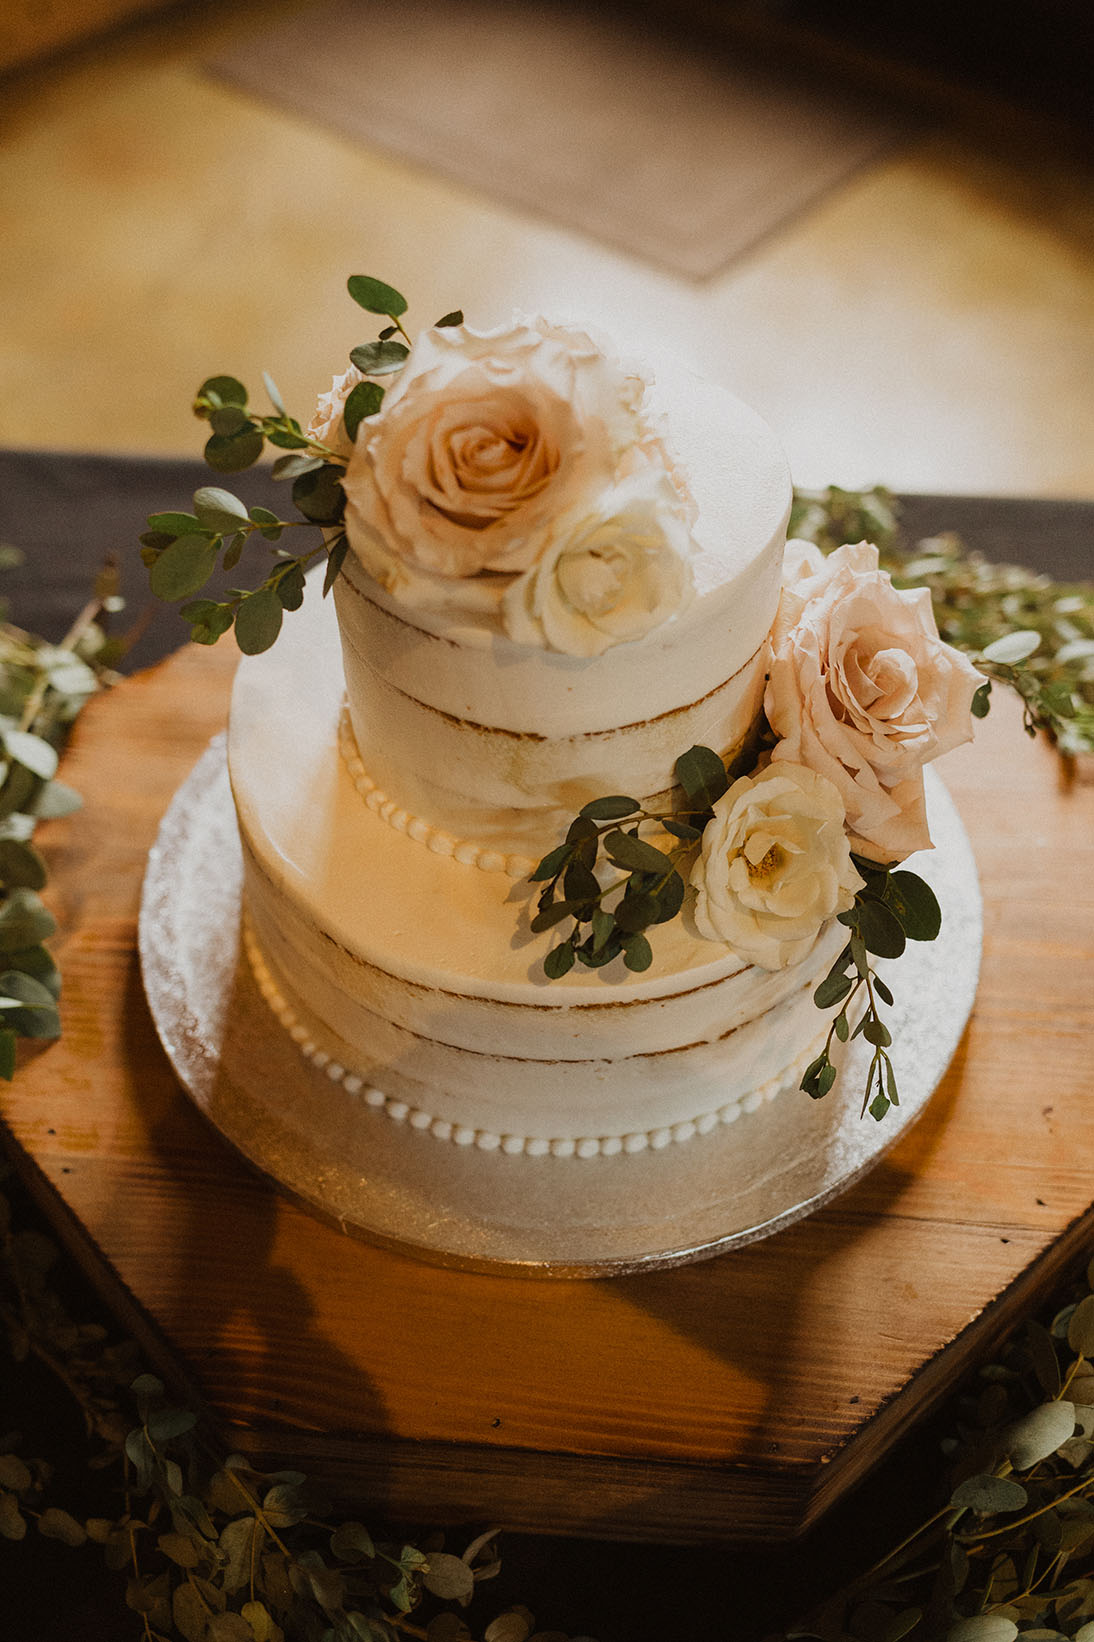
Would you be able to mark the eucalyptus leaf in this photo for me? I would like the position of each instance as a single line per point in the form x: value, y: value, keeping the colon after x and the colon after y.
x: 290, y: 587
x: 55, y: 1523
x: 225, y: 388
x: 637, y: 953
x: 670, y: 897
x: 703, y: 777
x: 376, y: 297
x: 833, y: 989
x: 681, y: 829
x: 579, y: 883
x: 230, y: 420
x: 610, y: 809
x: 636, y: 912
x: 454, y: 318
x: 449, y: 1578
x: 173, y: 524
x: 319, y: 494
x: 24, y: 921
x: 553, y: 914
x: 241, y: 1542
x: 915, y: 906
x: 212, y: 624
x: 352, y: 1542
x: 218, y: 509
x: 258, y: 621
x: 336, y: 558
x: 1013, y: 647
x: 32, y: 752
x: 183, y: 568
x: 986, y: 1494
x: 551, y: 865
x: 231, y: 453
x: 983, y: 1627
x: 34, y: 1014
x: 881, y: 933
x: 291, y: 467
x: 21, y: 867
x: 1039, y: 1434
x: 13, y: 1524
x: 364, y: 400
x: 164, y: 1424
x: 559, y: 961
x: 14, y: 1473
x: 379, y: 358
x: 635, y: 854
x: 55, y: 799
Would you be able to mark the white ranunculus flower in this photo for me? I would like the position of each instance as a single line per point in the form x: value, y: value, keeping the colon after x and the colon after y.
x: 862, y: 690
x: 482, y: 440
x: 326, y: 425
x: 606, y: 575
x: 774, y: 865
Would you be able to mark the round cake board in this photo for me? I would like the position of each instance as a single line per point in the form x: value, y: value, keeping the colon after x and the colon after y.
x: 487, y: 1211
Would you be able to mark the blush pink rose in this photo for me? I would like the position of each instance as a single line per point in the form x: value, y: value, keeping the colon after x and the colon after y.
x: 862, y: 690
x: 483, y: 438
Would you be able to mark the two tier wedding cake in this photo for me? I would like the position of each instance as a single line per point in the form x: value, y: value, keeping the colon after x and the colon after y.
x: 563, y: 810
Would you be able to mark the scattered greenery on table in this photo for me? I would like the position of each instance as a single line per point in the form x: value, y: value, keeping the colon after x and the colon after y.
x: 209, y: 1549
x: 214, y: 1551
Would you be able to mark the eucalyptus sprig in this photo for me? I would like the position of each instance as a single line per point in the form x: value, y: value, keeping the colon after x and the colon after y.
x: 646, y: 887
x: 892, y: 908
x: 1009, y: 1552
x: 182, y: 550
x: 213, y: 1548
x: 42, y: 689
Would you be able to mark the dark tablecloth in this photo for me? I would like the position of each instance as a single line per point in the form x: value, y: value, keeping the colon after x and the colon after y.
x: 66, y: 512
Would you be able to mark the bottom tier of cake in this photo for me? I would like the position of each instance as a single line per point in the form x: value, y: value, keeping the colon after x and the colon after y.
x: 306, y: 1121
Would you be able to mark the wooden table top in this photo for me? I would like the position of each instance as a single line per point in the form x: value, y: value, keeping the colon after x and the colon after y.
x: 741, y: 1396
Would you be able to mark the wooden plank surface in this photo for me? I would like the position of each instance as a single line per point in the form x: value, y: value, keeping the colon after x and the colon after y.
x: 740, y: 1396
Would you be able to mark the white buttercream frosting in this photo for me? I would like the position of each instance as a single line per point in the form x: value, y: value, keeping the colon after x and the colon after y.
x: 421, y: 977
x: 502, y: 741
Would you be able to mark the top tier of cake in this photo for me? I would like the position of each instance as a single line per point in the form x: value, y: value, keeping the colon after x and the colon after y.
x: 499, y: 742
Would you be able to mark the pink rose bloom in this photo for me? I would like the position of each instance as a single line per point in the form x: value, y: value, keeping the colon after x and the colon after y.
x: 482, y: 439
x: 862, y: 690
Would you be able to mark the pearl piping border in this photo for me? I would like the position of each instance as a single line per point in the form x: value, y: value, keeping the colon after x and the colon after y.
x: 399, y: 1111
x: 464, y: 850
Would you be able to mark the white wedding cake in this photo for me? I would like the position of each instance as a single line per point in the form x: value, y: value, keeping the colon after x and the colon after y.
x: 562, y: 574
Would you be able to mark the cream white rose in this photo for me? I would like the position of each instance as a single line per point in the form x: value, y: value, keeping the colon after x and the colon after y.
x: 606, y: 576
x: 862, y: 690
x: 481, y: 441
x: 326, y: 425
x: 774, y: 865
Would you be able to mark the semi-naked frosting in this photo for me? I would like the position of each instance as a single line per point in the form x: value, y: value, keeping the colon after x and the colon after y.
x: 415, y: 975
x: 393, y: 791
x: 502, y: 742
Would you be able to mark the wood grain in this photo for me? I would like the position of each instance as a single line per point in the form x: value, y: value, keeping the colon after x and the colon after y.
x: 741, y: 1396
